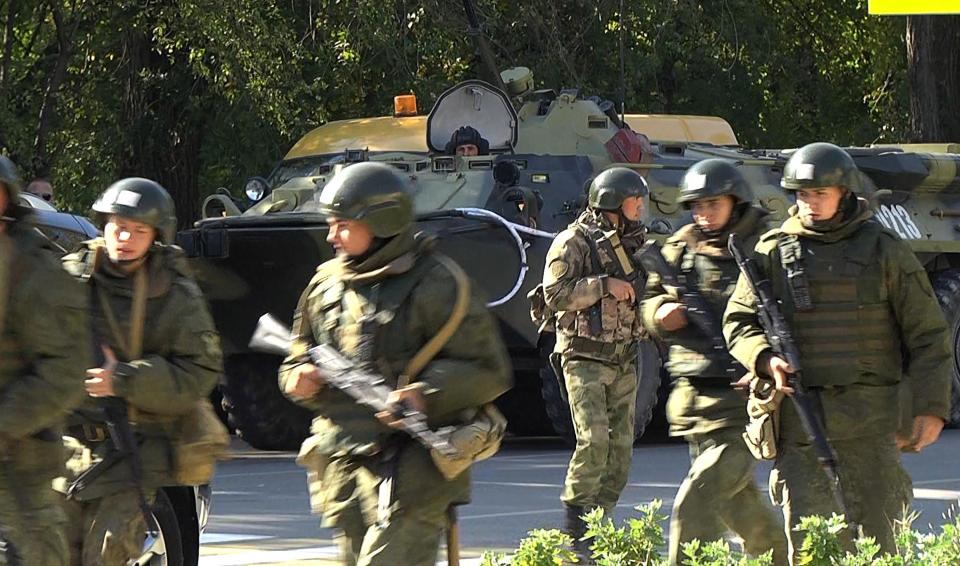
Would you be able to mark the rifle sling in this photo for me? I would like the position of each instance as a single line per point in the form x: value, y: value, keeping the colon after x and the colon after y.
x: 132, y: 344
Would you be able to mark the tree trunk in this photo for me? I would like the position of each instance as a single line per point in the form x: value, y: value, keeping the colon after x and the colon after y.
x: 933, y: 66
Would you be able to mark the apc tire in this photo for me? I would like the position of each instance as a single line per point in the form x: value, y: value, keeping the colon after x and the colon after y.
x: 256, y: 410
x: 648, y: 387
x: 946, y: 285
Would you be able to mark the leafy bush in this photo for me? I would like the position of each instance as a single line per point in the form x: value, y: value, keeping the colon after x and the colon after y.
x: 640, y: 541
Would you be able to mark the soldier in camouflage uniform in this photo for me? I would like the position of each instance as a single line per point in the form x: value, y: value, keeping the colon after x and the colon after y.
x: 863, y: 315
x: 44, y: 337
x: 598, y: 326
x: 718, y: 494
x: 162, y: 374
x: 378, y: 302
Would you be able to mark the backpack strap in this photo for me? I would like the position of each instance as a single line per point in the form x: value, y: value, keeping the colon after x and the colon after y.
x: 433, y: 346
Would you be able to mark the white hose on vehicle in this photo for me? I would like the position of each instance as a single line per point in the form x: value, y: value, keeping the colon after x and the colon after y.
x: 514, y: 230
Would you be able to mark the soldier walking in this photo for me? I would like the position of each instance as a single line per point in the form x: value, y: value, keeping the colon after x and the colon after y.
x: 379, y: 302
x: 43, y: 336
x: 718, y: 495
x: 160, y: 356
x: 597, y: 321
x: 863, y: 315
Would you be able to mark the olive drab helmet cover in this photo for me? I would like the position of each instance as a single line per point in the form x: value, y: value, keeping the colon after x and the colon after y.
x: 142, y: 200
x: 374, y: 193
x: 820, y: 165
x: 713, y: 178
x: 10, y: 178
x: 613, y: 186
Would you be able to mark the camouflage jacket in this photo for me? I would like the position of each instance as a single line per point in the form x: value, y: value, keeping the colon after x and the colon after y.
x: 44, y: 349
x: 181, y: 361
x: 412, y: 295
x: 877, y: 312
x: 574, y: 286
x: 702, y: 400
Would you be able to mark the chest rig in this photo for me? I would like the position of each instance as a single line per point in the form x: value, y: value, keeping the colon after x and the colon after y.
x: 838, y: 304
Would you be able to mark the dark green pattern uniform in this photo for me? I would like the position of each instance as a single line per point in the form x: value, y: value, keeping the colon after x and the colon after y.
x: 44, y: 349
x: 180, y: 365
x: 718, y: 495
x: 412, y: 294
x: 872, y: 304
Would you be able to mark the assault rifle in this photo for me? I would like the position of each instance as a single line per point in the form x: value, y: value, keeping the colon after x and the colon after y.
x: 697, y: 309
x: 781, y: 341
x: 367, y: 388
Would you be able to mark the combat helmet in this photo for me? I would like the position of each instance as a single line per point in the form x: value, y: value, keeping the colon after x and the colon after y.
x: 10, y: 178
x: 374, y: 193
x: 613, y: 186
x: 713, y: 178
x: 142, y: 200
x: 820, y: 165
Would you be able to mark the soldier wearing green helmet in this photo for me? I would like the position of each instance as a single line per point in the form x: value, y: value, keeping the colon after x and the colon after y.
x: 158, y: 351
x: 718, y: 495
x: 597, y: 325
x: 864, y: 318
x: 44, y: 344
x: 385, y: 295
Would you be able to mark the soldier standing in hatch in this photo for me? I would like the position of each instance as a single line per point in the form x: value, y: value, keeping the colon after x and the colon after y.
x: 718, y: 495
x: 863, y: 315
x: 598, y: 326
x: 384, y: 296
x: 43, y: 333
x: 169, y: 360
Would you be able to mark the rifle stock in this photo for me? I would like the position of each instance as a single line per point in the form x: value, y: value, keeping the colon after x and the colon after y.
x: 781, y: 342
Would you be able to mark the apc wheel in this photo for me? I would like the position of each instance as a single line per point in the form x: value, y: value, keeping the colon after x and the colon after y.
x: 256, y: 410
x: 169, y: 543
x: 946, y: 285
x: 648, y: 386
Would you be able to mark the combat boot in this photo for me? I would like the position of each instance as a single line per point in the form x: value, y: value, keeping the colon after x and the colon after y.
x: 576, y: 528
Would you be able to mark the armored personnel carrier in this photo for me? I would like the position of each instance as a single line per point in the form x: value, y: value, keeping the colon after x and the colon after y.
x: 496, y: 214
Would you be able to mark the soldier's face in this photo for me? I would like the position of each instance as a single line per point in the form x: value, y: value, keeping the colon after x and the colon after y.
x: 468, y: 150
x: 632, y: 208
x: 712, y: 214
x: 819, y: 204
x: 349, y: 237
x: 127, y: 239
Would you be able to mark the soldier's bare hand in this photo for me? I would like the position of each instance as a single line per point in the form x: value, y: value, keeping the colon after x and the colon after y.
x: 926, y: 431
x: 304, y: 382
x: 780, y: 371
x: 410, y: 397
x: 99, y: 382
x: 621, y: 290
x: 671, y: 316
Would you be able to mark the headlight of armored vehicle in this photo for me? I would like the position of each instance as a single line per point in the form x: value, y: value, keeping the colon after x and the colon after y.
x: 256, y: 188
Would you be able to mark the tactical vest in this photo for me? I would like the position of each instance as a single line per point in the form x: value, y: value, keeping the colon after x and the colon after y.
x: 691, y: 353
x: 609, y: 321
x: 847, y: 332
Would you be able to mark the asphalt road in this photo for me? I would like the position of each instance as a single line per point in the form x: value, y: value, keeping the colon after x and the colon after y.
x: 261, y: 515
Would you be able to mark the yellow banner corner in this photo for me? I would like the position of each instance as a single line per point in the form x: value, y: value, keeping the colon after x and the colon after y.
x: 912, y: 7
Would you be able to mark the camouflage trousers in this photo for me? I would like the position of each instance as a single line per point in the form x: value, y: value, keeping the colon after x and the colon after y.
x: 875, y: 486
x: 719, y: 495
x: 603, y: 403
x: 31, y: 518
x: 367, y: 535
x: 107, y: 531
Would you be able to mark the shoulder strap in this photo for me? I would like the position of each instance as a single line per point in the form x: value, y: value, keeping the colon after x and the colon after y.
x: 594, y: 252
x: 434, y: 345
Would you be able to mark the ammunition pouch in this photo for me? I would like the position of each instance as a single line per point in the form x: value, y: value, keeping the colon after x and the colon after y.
x: 556, y: 364
x: 313, y: 458
x: 763, y: 408
x: 477, y: 440
x: 202, y: 440
x: 791, y: 257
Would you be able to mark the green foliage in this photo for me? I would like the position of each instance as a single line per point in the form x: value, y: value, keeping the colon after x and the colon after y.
x: 200, y: 94
x: 640, y: 540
